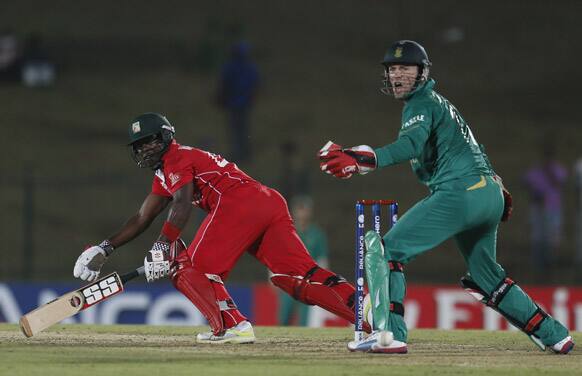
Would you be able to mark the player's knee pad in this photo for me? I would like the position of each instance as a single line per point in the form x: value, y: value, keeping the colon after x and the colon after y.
x: 320, y: 287
x: 495, y: 301
x: 205, y: 291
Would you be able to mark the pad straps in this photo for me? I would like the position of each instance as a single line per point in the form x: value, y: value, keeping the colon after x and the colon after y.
x: 493, y: 300
x: 396, y: 266
x: 533, y: 324
x: 499, y: 292
x: 397, y: 308
x: 226, y: 304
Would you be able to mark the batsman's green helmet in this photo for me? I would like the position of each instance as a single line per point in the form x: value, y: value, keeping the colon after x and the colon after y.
x: 149, y: 124
x: 150, y: 129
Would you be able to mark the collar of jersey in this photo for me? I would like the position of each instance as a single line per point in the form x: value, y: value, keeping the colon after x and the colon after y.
x: 173, y: 146
x: 421, y: 89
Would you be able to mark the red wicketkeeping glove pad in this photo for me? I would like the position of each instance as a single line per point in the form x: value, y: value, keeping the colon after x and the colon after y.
x: 341, y: 166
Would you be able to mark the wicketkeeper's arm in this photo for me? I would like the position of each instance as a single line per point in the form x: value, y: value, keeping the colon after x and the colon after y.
x: 408, y: 145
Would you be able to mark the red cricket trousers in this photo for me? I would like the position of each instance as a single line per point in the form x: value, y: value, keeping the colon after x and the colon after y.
x: 249, y: 218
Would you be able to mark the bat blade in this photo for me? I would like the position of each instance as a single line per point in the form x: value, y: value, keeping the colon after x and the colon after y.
x: 70, y: 304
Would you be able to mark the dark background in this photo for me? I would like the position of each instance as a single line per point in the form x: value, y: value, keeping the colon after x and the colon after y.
x: 67, y: 179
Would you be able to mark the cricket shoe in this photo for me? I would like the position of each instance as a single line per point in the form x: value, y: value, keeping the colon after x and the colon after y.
x: 241, y: 333
x: 395, y: 347
x: 383, y: 338
x: 564, y: 346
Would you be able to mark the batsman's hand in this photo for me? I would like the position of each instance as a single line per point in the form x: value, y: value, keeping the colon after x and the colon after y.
x: 507, y: 200
x: 157, y: 261
x: 89, y: 263
x: 344, y: 162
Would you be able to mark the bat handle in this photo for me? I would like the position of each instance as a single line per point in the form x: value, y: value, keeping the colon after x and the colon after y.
x: 131, y: 275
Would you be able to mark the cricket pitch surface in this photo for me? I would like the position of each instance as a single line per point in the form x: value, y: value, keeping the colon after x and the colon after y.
x: 147, y: 350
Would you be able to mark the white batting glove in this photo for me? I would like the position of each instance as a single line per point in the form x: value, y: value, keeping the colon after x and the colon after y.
x: 157, y: 261
x: 89, y: 263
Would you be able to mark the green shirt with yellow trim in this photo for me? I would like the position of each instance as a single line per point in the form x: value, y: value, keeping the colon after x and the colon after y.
x: 436, y: 140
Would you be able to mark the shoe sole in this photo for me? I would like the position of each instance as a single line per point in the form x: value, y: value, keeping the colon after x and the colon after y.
x: 236, y: 340
x: 568, y: 346
x: 359, y: 350
x: 396, y: 350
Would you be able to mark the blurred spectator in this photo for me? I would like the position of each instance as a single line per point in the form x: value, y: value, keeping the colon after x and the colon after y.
x: 239, y: 81
x: 316, y: 243
x: 37, y: 68
x: 295, y: 174
x: 578, y: 177
x: 10, y: 57
x: 544, y: 182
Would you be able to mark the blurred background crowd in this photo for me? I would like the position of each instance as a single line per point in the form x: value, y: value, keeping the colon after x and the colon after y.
x: 266, y: 84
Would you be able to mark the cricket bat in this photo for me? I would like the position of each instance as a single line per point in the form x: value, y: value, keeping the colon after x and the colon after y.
x: 75, y: 301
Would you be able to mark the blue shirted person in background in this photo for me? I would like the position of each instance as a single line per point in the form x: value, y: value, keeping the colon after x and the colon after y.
x: 239, y: 81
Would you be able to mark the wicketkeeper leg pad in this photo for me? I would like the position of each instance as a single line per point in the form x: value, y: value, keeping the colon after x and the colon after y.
x: 397, y: 325
x: 207, y: 293
x: 520, y: 310
x: 320, y: 287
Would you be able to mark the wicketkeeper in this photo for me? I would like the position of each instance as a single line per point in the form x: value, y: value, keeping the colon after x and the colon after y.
x: 243, y: 216
x: 466, y: 202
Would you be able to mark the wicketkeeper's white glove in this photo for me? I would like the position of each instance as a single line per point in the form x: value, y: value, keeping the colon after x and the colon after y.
x: 157, y: 261
x: 89, y: 263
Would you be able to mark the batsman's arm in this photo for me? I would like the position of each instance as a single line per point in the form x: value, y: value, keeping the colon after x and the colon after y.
x: 179, y: 214
x: 152, y: 206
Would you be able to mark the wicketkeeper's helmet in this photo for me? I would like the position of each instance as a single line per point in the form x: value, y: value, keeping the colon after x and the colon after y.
x: 406, y: 52
x: 150, y: 135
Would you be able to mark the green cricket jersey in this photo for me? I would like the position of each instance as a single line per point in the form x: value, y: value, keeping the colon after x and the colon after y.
x: 436, y: 140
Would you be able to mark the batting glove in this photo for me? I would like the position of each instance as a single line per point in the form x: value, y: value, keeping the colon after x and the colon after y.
x: 89, y: 263
x: 344, y: 162
x: 157, y: 261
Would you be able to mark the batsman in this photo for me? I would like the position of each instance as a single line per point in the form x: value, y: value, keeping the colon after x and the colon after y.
x: 467, y: 201
x: 243, y: 215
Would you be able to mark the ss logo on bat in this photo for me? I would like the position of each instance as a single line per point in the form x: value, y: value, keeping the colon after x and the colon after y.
x: 101, y: 290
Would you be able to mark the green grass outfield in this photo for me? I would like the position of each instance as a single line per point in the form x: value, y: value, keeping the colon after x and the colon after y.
x: 82, y: 350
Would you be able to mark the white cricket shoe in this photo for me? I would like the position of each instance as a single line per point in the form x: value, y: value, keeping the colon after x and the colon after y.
x: 380, y: 338
x: 564, y: 346
x: 241, y: 333
x: 395, y: 347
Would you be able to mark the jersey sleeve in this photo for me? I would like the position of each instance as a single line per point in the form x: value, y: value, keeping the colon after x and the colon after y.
x: 180, y: 174
x: 414, y: 132
x: 158, y: 189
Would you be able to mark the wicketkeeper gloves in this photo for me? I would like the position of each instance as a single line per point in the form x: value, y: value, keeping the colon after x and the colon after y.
x: 344, y: 162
